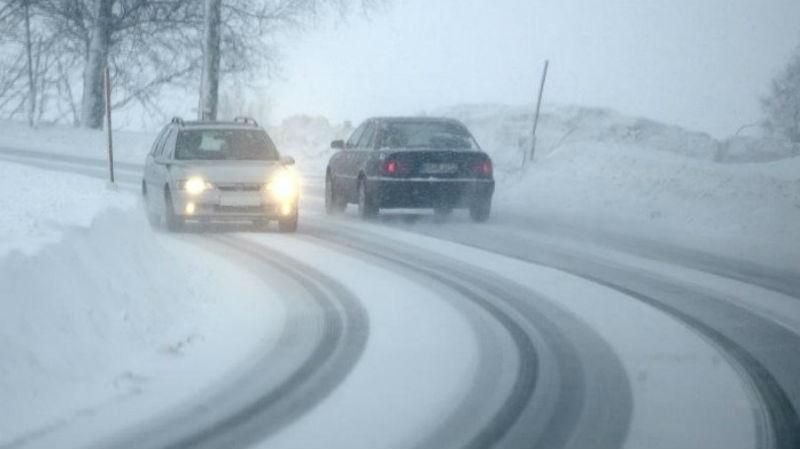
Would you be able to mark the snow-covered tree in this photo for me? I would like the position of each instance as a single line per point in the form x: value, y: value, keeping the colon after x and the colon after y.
x: 782, y: 105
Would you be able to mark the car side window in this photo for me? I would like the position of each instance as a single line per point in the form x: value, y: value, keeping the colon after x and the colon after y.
x: 169, y: 144
x: 353, y: 140
x: 366, y: 138
x: 157, y: 143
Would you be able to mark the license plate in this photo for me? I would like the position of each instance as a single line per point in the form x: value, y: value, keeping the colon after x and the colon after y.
x: 438, y: 168
x: 240, y: 199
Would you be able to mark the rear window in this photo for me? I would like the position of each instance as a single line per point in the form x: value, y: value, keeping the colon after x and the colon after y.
x: 426, y: 134
x: 225, y: 144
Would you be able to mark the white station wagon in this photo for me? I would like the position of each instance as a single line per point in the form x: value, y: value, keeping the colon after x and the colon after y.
x: 219, y: 171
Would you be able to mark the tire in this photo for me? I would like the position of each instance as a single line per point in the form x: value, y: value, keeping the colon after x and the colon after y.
x: 261, y: 225
x: 152, y: 217
x: 333, y: 204
x: 480, y: 210
x: 173, y: 221
x: 442, y: 213
x: 288, y: 225
x: 367, y: 208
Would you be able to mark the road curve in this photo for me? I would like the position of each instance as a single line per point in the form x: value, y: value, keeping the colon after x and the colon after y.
x: 766, y: 354
x: 554, y: 401
x: 327, y: 327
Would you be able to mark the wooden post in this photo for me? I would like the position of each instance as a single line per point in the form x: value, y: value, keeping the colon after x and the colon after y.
x: 538, y: 108
x: 107, y: 83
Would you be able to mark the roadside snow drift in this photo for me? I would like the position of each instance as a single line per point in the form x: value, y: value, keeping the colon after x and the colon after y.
x: 601, y: 170
x: 95, y: 308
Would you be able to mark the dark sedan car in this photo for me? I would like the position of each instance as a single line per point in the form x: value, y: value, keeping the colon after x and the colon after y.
x: 409, y: 162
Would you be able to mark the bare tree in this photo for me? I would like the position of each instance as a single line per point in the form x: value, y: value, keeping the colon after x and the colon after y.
x: 245, y: 24
x: 54, y: 62
x: 29, y: 54
x: 209, y: 84
x: 92, y: 105
x: 782, y: 105
x: 139, y: 39
x: 21, y: 66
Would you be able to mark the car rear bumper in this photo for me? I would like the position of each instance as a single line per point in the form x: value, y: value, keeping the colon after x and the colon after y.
x: 429, y: 192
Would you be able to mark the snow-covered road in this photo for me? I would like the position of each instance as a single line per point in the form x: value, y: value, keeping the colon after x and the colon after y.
x: 410, y: 333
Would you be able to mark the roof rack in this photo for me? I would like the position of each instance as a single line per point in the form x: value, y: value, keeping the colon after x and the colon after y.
x: 177, y: 121
x: 246, y: 120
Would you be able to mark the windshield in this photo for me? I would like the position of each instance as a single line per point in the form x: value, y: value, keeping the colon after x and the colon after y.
x: 225, y: 144
x: 426, y: 134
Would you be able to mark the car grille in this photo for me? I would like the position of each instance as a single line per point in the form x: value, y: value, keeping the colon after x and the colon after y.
x: 240, y: 187
x: 239, y: 209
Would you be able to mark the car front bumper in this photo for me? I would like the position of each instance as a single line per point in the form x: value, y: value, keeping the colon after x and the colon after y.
x: 429, y: 192
x: 223, y: 206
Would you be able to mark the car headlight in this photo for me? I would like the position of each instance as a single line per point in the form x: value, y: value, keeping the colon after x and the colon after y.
x: 283, y: 186
x: 195, y: 185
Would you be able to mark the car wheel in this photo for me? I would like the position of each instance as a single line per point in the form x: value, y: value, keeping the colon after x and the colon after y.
x: 442, y: 213
x: 333, y: 204
x: 289, y: 224
x: 366, y: 204
x: 174, y: 222
x: 480, y: 210
x: 152, y: 217
x: 261, y: 225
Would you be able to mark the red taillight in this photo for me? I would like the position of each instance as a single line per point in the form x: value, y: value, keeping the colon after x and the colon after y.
x: 484, y: 168
x: 393, y: 167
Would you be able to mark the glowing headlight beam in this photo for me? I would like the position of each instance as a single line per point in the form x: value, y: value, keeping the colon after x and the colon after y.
x: 195, y: 185
x: 283, y: 186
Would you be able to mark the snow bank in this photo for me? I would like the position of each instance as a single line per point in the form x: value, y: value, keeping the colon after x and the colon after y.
x: 504, y: 131
x: 602, y: 170
x: 748, y: 211
x: 129, y: 146
x: 38, y: 206
x: 96, y: 309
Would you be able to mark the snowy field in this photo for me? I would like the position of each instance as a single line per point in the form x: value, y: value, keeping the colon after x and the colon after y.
x: 116, y: 317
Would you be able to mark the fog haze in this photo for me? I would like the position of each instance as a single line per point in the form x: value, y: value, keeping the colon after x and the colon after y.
x: 698, y: 64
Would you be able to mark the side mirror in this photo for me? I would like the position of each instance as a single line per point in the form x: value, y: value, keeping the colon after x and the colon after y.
x: 337, y: 144
x: 287, y: 160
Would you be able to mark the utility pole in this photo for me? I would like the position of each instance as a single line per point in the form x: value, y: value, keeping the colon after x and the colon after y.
x: 538, y: 108
x: 107, y: 84
x: 209, y: 84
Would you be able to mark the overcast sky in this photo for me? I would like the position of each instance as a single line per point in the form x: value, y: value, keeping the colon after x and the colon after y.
x: 702, y: 64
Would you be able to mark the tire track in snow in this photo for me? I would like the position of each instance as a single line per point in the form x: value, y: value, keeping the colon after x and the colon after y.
x: 551, y: 403
x: 259, y: 412
x: 766, y: 355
